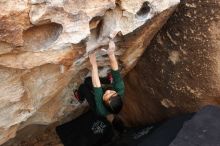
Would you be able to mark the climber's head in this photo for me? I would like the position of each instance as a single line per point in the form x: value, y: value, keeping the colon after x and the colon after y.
x: 112, y: 101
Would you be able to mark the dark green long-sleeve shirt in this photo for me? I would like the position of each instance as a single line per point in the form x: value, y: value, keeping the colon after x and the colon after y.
x: 118, y: 86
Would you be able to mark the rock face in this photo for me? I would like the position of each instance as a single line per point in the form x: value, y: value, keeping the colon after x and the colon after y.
x: 44, y: 47
x: 180, y: 70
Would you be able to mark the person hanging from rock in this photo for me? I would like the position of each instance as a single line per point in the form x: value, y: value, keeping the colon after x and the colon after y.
x: 105, y: 100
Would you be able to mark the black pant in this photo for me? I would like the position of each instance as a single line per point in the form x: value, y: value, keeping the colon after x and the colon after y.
x: 86, y: 90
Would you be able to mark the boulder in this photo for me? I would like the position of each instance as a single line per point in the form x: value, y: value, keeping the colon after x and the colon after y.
x: 44, y: 46
x: 180, y: 70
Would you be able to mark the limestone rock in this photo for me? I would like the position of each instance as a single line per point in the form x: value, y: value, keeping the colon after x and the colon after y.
x: 44, y: 47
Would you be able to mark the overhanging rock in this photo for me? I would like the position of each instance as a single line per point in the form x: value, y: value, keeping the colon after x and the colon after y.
x: 44, y: 46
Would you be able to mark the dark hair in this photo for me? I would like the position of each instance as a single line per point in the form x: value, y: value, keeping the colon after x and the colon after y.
x: 115, y: 104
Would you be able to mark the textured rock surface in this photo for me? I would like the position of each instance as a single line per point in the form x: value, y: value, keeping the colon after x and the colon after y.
x: 179, y: 72
x: 44, y: 46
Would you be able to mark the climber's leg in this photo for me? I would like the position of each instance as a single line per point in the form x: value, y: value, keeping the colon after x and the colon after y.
x: 85, y: 92
x: 88, y: 83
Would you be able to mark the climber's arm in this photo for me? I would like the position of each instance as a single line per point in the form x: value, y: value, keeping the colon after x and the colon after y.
x: 95, y: 75
x: 98, y: 92
x: 111, y: 54
x: 118, y: 83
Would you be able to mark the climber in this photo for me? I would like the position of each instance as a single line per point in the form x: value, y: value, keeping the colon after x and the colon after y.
x: 105, y: 100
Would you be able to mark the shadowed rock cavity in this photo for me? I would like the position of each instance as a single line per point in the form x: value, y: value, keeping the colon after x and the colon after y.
x: 145, y: 8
